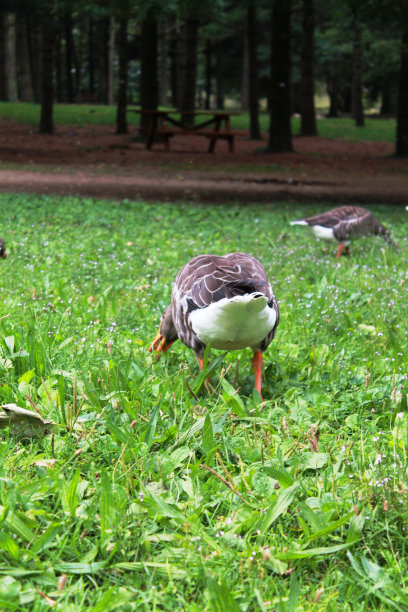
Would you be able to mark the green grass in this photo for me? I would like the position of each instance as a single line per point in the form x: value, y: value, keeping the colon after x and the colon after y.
x: 83, y: 114
x: 302, y: 504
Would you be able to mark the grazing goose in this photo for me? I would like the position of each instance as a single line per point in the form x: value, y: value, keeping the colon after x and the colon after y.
x: 224, y: 301
x: 342, y: 223
x: 3, y: 252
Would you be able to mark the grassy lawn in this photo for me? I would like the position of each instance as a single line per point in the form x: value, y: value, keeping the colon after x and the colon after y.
x: 83, y: 114
x: 154, y: 494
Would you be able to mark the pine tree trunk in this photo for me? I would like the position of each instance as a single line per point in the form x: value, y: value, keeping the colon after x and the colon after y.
x: 102, y: 34
x: 111, y: 55
x: 91, y: 59
x: 254, y: 130
x: 386, y: 104
x: 121, y: 120
x: 280, y: 133
x: 334, y: 92
x: 47, y: 89
x: 357, y: 86
x: 308, y: 115
x: 402, y: 105
x: 24, y: 85
x: 245, y: 68
x: 163, y: 51
x: 208, y: 74
x: 69, y: 53
x: 190, y: 76
x: 11, y: 66
x: 3, y: 58
x: 219, y: 78
x: 148, y: 76
x: 34, y: 45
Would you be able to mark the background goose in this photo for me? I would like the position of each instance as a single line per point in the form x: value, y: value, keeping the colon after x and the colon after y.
x: 344, y: 222
x: 3, y: 252
x: 224, y: 301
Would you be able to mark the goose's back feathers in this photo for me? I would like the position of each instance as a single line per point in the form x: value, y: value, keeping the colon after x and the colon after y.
x: 213, y: 297
x: 348, y: 221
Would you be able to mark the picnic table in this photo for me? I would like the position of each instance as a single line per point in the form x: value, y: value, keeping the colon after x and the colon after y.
x: 168, y: 123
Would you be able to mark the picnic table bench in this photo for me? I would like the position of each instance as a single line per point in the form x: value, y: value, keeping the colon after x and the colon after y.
x: 168, y: 123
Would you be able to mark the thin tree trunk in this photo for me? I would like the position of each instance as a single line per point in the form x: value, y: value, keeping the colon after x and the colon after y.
x: 245, y: 67
x: 308, y: 115
x: 47, y: 90
x: 11, y: 58
x: 357, y: 87
x: 121, y: 121
x: 163, y: 51
x: 3, y: 58
x: 280, y: 133
x: 148, y: 76
x: 91, y: 58
x: 111, y: 54
x: 254, y: 130
x: 102, y: 58
x: 190, y: 76
x: 386, y: 104
x: 69, y: 53
x: 402, y: 105
x: 334, y: 92
x: 219, y: 77
x: 24, y: 85
x: 208, y: 74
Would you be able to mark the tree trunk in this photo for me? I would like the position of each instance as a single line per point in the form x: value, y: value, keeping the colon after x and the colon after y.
x: 163, y: 51
x: 121, y: 121
x: 47, y: 90
x: 254, y: 130
x: 24, y: 85
x: 219, y: 77
x: 148, y: 76
x: 208, y: 74
x: 402, y: 104
x: 356, y: 86
x: 245, y: 66
x: 91, y: 59
x: 111, y: 55
x: 69, y: 55
x: 174, y: 64
x: 280, y: 133
x: 190, y: 75
x: 334, y: 92
x: 3, y: 58
x: 308, y: 115
x: 102, y: 58
x: 386, y: 103
x: 11, y: 58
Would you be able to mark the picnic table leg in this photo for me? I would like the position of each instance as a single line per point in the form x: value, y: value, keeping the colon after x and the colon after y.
x: 152, y: 131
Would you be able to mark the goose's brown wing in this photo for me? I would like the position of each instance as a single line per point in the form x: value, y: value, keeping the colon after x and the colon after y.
x: 331, y: 218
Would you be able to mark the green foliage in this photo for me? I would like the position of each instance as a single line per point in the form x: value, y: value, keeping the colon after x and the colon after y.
x: 156, y: 494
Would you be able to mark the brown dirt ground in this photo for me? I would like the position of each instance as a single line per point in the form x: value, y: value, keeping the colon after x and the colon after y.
x: 94, y: 161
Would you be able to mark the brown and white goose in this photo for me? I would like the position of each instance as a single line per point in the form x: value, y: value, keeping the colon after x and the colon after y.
x: 343, y: 223
x: 224, y: 301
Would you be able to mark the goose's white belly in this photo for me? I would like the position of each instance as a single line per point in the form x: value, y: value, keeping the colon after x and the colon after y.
x: 234, y: 323
x: 326, y: 233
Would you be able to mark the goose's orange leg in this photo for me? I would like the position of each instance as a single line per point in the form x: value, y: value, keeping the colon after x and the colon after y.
x: 339, y: 250
x: 257, y: 365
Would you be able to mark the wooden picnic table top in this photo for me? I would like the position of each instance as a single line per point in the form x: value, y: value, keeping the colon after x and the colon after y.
x: 173, y: 111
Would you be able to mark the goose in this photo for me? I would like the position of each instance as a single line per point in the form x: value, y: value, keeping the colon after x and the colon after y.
x: 3, y: 252
x: 223, y: 301
x: 342, y: 223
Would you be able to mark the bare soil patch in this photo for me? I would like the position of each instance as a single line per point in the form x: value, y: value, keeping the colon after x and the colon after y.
x: 94, y: 161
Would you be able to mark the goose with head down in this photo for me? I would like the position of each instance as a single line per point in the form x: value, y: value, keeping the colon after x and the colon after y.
x: 343, y: 223
x: 224, y: 301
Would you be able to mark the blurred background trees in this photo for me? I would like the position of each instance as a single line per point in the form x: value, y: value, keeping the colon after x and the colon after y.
x: 277, y: 56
